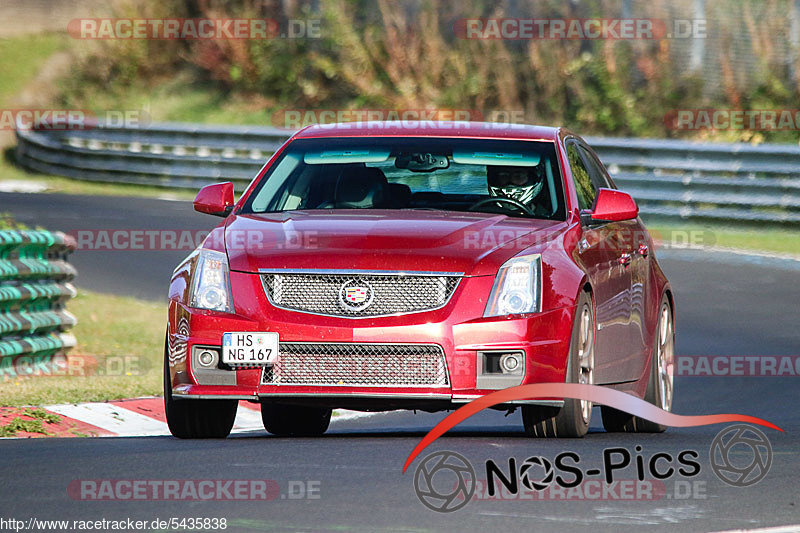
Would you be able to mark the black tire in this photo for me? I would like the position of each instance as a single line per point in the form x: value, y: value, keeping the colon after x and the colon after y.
x: 295, y: 420
x: 197, y: 419
x: 616, y: 421
x: 568, y: 421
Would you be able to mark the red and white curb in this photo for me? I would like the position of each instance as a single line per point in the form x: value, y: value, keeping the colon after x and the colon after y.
x: 140, y: 417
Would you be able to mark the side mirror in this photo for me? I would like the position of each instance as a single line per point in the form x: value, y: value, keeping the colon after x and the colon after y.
x: 215, y: 199
x: 610, y: 206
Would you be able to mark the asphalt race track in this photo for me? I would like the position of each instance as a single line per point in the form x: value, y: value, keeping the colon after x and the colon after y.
x: 728, y: 304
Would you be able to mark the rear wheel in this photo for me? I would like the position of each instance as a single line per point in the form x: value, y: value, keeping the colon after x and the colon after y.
x: 571, y: 420
x: 295, y: 420
x: 660, y: 384
x: 197, y: 419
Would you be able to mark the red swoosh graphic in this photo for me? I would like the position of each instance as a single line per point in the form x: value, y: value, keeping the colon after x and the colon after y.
x: 593, y: 393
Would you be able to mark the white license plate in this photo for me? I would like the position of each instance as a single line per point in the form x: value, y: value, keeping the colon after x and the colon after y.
x: 249, y: 348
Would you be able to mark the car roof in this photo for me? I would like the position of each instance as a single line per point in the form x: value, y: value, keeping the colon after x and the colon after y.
x: 432, y: 128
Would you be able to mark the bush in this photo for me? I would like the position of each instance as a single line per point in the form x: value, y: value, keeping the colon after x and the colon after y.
x: 406, y: 54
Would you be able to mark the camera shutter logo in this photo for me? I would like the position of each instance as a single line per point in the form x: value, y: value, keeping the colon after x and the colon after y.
x: 455, y: 485
x: 525, y: 473
x: 733, y: 463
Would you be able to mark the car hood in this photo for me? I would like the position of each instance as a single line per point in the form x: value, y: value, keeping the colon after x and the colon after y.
x: 411, y: 240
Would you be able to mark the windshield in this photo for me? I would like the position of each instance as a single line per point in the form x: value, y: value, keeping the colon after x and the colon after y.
x: 514, y: 178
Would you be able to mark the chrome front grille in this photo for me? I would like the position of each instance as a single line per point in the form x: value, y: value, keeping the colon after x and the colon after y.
x: 384, y: 293
x: 332, y: 364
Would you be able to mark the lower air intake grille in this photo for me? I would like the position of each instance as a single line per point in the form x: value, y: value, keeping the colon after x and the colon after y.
x: 387, y: 365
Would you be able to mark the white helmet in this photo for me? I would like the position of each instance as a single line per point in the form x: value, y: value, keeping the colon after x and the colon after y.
x: 522, y: 184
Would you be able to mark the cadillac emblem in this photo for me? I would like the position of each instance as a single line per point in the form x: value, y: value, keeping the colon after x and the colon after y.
x: 355, y: 295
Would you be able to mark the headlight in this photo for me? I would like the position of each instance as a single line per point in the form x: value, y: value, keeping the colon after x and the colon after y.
x: 211, y: 286
x: 517, y: 288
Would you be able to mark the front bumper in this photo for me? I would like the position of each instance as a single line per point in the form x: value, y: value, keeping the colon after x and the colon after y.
x: 542, y: 339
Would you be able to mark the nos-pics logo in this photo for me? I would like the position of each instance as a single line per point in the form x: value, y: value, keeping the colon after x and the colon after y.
x: 445, y: 481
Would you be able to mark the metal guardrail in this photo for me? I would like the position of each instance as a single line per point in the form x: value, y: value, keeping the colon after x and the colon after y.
x: 668, y: 178
x: 716, y: 181
x: 34, y: 288
x: 168, y: 155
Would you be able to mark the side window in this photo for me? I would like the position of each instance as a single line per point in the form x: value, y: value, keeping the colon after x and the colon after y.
x: 584, y: 187
x: 596, y: 170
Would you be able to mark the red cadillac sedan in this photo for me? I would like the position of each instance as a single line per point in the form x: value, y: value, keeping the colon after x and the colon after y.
x: 376, y: 266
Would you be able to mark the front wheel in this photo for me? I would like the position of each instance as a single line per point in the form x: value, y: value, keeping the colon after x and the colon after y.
x: 571, y: 420
x: 660, y: 384
x: 197, y: 419
x: 295, y: 420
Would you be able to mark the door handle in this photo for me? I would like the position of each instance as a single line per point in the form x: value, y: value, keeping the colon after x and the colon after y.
x: 625, y: 259
x: 643, y: 250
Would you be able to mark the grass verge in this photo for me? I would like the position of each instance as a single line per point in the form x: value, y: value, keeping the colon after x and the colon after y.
x: 782, y: 241
x: 119, y: 355
x: 31, y: 423
x: 21, y: 58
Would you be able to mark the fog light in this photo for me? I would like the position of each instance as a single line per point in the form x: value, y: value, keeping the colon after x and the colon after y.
x: 207, y: 358
x: 510, y: 363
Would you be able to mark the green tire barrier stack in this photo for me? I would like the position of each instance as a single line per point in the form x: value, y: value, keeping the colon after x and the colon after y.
x: 34, y: 288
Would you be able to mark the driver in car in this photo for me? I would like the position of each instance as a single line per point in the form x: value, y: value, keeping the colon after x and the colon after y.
x: 521, y: 184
